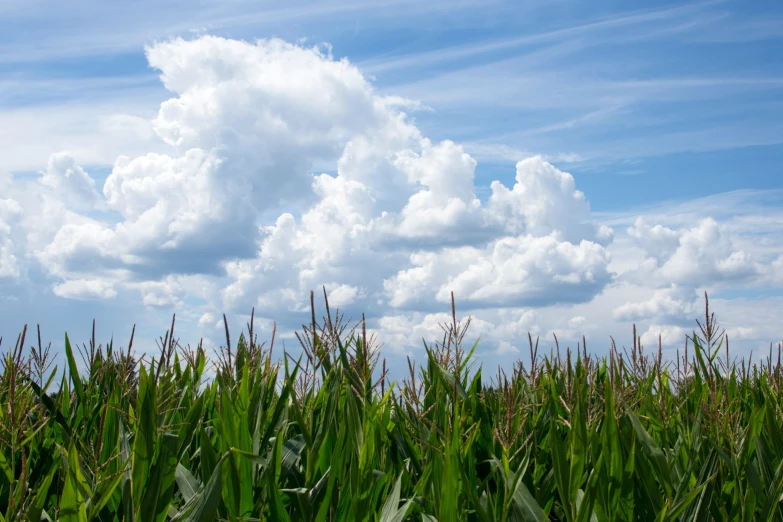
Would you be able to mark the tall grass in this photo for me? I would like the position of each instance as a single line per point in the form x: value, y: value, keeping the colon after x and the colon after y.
x: 570, y: 438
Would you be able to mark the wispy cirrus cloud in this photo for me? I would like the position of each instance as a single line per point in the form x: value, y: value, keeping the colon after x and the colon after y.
x: 652, y: 18
x: 126, y: 28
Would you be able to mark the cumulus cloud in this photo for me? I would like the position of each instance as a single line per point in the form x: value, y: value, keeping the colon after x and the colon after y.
x: 85, y: 289
x: 240, y: 199
x: 273, y: 169
x: 545, y: 200
x: 249, y: 122
x: 72, y: 185
x: 658, y: 242
x: 206, y: 319
x: 701, y: 255
x: 158, y: 294
x: 669, y: 336
x: 401, y: 331
x: 773, y: 273
x: 513, y: 271
x: 669, y: 304
x: 341, y: 295
x: 10, y: 215
x: 505, y: 347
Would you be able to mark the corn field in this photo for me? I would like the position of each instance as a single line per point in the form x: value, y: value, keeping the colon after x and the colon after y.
x: 326, y: 436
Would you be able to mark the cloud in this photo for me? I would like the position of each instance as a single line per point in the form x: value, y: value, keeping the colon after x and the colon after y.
x: 544, y: 200
x: 670, y: 336
x: 505, y: 347
x: 774, y: 272
x: 697, y: 256
x: 236, y: 212
x: 513, y: 271
x: 676, y: 262
x: 160, y: 294
x: 283, y: 170
x: 657, y: 241
x: 668, y: 304
x: 250, y: 121
x: 10, y: 215
x: 73, y: 185
x: 341, y: 295
x: 206, y: 319
x: 399, y: 332
x: 85, y: 289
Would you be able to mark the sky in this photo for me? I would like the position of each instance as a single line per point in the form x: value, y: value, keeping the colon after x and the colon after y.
x: 562, y: 167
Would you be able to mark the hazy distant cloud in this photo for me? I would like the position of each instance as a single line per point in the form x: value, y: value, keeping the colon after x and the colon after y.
x: 679, y: 261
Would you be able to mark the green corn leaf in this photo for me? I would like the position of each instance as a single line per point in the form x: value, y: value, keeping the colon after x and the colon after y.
x: 561, y: 468
x: 391, y: 510
x: 525, y: 505
x: 72, y: 505
x: 774, y: 492
x: 209, y: 457
x: 72, y: 368
x: 103, y: 495
x: 160, y: 484
x: 5, y: 467
x: 653, y: 452
x: 204, y: 504
x: 188, y: 484
x: 189, y: 428
x: 39, y: 500
x: 145, y: 437
x: 277, y: 512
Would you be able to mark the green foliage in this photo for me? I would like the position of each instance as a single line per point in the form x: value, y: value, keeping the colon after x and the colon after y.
x: 322, y: 438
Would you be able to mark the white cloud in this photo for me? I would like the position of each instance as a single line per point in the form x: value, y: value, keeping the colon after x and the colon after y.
x: 447, y: 208
x: 77, y: 247
x: 229, y: 205
x: 706, y: 254
x: 398, y: 223
x: 670, y: 336
x: 10, y: 214
x: 341, y: 295
x: 513, y: 271
x: 159, y: 294
x: 741, y: 333
x: 406, y: 331
x: 701, y: 255
x: 85, y: 289
x: 206, y: 319
x: 545, y: 200
x: 657, y: 241
x: 505, y: 347
x: 250, y: 121
x: 577, y: 321
x: 672, y: 304
x: 70, y: 182
x: 774, y: 272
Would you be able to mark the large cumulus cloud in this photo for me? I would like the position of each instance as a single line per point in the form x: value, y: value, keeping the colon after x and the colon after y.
x: 397, y: 222
x: 287, y: 170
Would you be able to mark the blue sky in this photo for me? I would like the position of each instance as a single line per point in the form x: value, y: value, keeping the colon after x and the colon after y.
x: 665, y: 111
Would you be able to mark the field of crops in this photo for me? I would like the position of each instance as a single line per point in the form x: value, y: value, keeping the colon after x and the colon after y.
x: 328, y: 438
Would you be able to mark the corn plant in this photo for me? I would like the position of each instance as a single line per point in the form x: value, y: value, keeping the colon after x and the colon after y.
x: 326, y: 436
